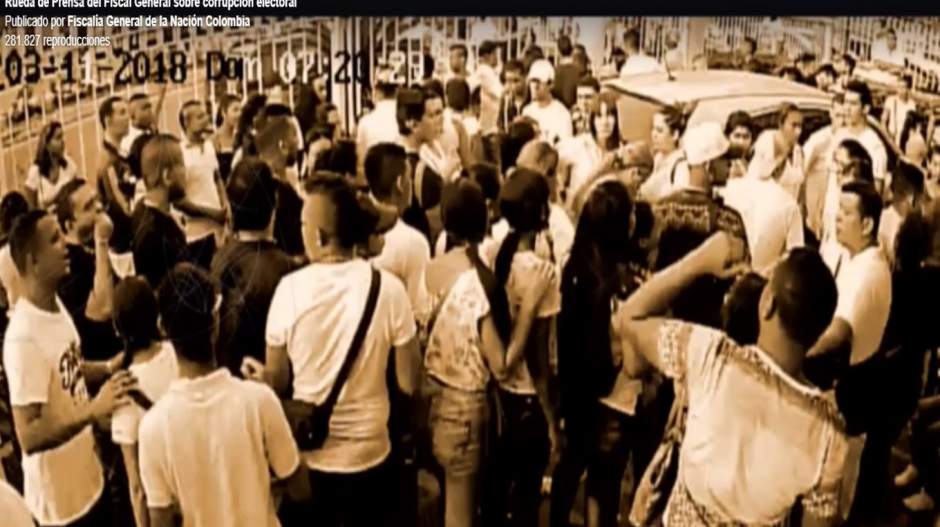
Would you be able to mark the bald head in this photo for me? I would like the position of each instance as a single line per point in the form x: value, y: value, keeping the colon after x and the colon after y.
x: 277, y: 141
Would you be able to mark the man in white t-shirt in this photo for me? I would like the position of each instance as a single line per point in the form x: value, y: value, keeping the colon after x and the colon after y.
x: 324, y: 303
x: 406, y: 252
x: 380, y: 125
x: 857, y: 105
x: 863, y: 281
x: 491, y: 89
x: 52, y: 412
x: 211, y: 446
x: 204, y: 204
x: 637, y: 62
x: 897, y: 107
x: 553, y: 118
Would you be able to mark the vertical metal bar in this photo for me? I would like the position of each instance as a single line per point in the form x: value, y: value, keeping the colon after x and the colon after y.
x: 81, y: 134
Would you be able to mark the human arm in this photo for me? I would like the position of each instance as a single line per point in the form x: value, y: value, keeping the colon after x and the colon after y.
x: 162, y: 517
x: 100, y: 300
x: 38, y: 430
x: 138, y: 500
x: 192, y: 209
x: 281, y: 449
x: 639, y: 321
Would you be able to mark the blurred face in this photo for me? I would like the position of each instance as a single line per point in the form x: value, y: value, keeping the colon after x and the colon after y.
x: 50, y: 262
x: 824, y: 80
x: 843, y: 165
x: 604, y: 122
x: 142, y: 113
x: 431, y: 125
x: 902, y: 89
x: 741, y: 138
x: 56, y: 143
x: 319, y: 87
x: 792, y: 128
x: 892, y: 41
x: 515, y: 83
x: 541, y: 91
x: 458, y: 62
x: 85, y: 207
x: 233, y: 113
x: 933, y: 167
x: 840, y: 66
x: 119, y: 120
x: 197, y: 120
x: 837, y: 116
x: 854, y: 110
x: 851, y: 230
x: 586, y: 98
x: 663, y: 139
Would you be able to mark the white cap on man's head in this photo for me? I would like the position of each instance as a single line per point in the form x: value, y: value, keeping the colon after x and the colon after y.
x: 704, y: 143
x: 541, y: 70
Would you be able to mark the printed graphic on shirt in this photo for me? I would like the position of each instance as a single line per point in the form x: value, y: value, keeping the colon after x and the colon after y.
x: 70, y: 370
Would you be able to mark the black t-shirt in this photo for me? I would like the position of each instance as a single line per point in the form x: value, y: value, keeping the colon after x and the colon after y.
x: 287, y: 220
x: 158, y: 243
x: 248, y: 273
x: 99, y: 341
x: 121, y: 237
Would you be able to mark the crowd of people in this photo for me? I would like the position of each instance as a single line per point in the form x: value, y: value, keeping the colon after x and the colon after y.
x: 270, y: 321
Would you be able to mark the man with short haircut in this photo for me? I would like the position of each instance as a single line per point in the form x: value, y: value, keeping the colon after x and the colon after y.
x: 552, y: 116
x: 211, y: 447
x: 458, y: 63
x: 324, y: 302
x: 47, y: 374
x: 406, y: 251
x: 567, y: 73
x: 491, y: 89
x: 143, y: 119
x: 858, y: 105
x: 907, y: 195
x: 825, y: 77
x: 116, y: 182
x: 845, y: 70
x: 87, y: 290
x: 420, y: 118
x: 278, y: 145
x: 204, y: 203
x: 158, y: 241
x: 746, y: 60
x: 618, y: 58
x: 250, y: 265
x: 864, y: 280
x: 379, y: 125
x: 817, y: 160
x: 897, y: 107
x: 515, y: 94
x: 637, y: 62
x: 789, y: 440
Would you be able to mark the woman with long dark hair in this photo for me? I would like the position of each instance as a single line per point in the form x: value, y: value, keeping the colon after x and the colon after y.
x: 152, y: 361
x: 597, y: 405
x: 582, y: 157
x: 226, y: 127
x: 51, y: 169
x: 531, y: 431
x: 471, y: 339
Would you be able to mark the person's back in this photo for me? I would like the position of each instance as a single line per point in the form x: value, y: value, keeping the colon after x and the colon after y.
x: 158, y: 243
x: 218, y: 453
x: 742, y: 406
x: 323, y: 303
x: 248, y: 271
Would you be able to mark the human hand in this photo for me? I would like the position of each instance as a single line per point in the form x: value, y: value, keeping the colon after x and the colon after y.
x: 113, y: 395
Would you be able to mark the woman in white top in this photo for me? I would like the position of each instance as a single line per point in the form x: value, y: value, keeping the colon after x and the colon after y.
x: 582, y: 156
x: 468, y: 329
x: 226, y: 125
x: 153, y: 362
x: 531, y: 430
x: 778, y: 155
x: 668, y: 165
x: 51, y: 169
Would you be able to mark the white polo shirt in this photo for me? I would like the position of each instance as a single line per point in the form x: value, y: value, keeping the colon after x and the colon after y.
x: 43, y: 362
x: 210, y: 446
x: 864, y: 285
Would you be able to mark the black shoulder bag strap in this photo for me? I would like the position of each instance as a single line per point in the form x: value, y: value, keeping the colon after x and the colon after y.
x: 355, y: 346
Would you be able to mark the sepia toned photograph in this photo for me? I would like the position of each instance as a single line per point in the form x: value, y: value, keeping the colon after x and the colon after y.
x: 424, y: 271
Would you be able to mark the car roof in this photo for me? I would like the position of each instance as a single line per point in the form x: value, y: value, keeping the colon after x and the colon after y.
x: 694, y: 86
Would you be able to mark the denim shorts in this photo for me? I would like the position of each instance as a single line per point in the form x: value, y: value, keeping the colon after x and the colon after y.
x: 457, y: 422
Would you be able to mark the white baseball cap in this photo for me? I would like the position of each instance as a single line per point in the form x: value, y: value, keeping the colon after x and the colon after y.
x: 704, y: 143
x: 541, y: 70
